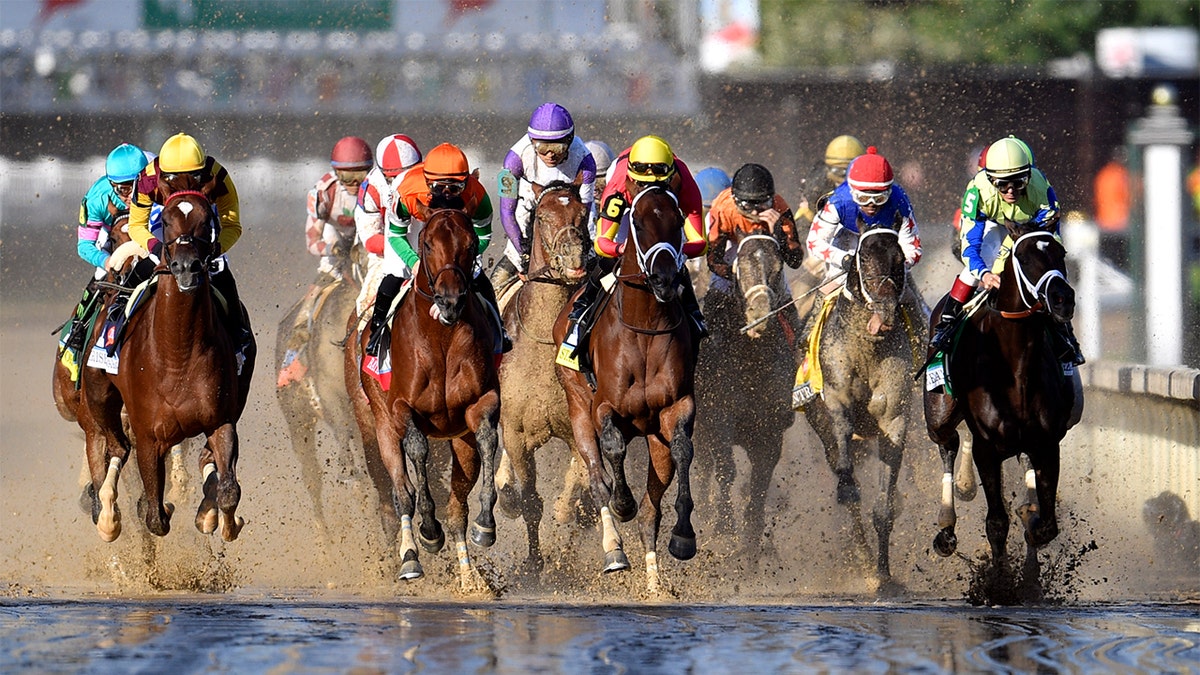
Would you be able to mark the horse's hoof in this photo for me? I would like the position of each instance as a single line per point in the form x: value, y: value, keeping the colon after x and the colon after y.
x: 435, y: 544
x: 509, y: 502
x: 945, y: 543
x: 482, y: 536
x: 411, y: 570
x: 682, y: 548
x: 88, y: 501
x: 1040, y: 533
x: 847, y: 493
x: 109, y: 531
x: 231, y: 527
x: 624, y: 507
x: 615, y: 561
x: 206, y: 520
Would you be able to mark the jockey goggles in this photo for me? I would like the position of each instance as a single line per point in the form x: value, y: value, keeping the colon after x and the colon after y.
x: 660, y: 170
x: 875, y: 198
x: 449, y: 188
x: 754, y: 206
x: 1015, y: 182
x: 346, y: 177
x: 839, y: 171
x: 551, y: 148
x: 123, y: 189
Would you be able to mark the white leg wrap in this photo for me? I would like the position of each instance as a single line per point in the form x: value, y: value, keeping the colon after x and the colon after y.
x: 407, y: 542
x: 611, y: 538
x: 209, y: 469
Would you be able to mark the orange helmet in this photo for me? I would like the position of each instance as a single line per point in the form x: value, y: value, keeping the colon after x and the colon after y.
x: 446, y: 162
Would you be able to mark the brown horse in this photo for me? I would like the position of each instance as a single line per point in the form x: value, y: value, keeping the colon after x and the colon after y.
x: 1010, y: 387
x: 533, y: 408
x: 866, y: 360
x: 180, y: 378
x: 444, y: 385
x: 643, y: 353
x: 744, y: 379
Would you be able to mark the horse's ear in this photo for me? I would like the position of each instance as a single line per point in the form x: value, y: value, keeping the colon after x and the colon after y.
x: 209, y: 186
x: 537, y: 190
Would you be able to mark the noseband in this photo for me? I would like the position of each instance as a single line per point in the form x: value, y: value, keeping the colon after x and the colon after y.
x: 762, y: 287
x: 862, y: 278
x: 645, y: 259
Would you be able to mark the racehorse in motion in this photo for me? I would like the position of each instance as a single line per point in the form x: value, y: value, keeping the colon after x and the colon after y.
x: 866, y: 362
x: 179, y: 377
x: 444, y: 385
x: 533, y: 408
x: 1005, y: 379
x: 744, y: 376
x: 643, y: 353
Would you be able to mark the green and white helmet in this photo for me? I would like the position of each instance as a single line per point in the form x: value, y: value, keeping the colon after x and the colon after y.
x: 1006, y: 158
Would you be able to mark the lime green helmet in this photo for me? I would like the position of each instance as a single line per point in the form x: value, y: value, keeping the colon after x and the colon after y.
x: 1006, y: 158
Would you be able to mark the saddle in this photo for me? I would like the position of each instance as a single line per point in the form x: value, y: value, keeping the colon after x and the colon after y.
x: 809, y: 381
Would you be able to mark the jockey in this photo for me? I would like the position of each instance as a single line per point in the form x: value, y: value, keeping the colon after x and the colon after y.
x: 394, y: 156
x: 107, y: 199
x: 182, y: 154
x: 648, y: 162
x: 869, y: 196
x: 329, y: 232
x: 1008, y: 189
x: 838, y: 155
x: 750, y: 204
x: 445, y: 174
x: 548, y: 152
x: 603, y: 156
x: 712, y: 181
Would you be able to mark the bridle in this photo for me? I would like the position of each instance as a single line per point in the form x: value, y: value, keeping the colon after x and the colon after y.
x: 645, y: 258
x: 557, y: 246
x: 432, y: 277
x: 1030, y: 292
x: 762, y: 287
x: 188, y: 239
x: 878, y: 281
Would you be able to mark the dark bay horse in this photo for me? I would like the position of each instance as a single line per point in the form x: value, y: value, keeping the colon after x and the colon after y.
x: 533, y: 407
x: 643, y: 353
x: 743, y: 383
x: 866, y: 360
x: 444, y: 386
x: 179, y: 378
x: 1009, y: 386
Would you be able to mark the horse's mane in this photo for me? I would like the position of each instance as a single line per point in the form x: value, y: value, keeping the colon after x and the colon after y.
x: 557, y: 185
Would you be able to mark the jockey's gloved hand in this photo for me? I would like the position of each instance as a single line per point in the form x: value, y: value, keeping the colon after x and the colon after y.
x: 524, y: 263
x: 847, y: 262
x: 154, y: 246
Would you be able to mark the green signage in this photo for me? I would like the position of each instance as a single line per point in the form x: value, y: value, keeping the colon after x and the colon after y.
x: 270, y: 15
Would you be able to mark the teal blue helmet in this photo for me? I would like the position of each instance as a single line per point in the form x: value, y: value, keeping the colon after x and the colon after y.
x: 124, y: 163
x: 711, y: 182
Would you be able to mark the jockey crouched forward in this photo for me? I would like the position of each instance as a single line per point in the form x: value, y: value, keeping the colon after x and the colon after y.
x: 182, y: 154
x: 647, y: 163
x: 444, y: 179
x: 750, y: 204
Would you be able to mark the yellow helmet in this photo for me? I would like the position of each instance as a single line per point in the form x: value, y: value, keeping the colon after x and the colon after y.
x: 1007, y: 157
x: 651, y: 160
x: 842, y: 149
x: 181, y: 154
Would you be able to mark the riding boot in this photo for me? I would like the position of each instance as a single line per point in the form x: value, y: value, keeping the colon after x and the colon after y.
x: 583, y: 303
x: 80, y: 319
x: 1068, y: 351
x: 483, y: 286
x: 943, y: 333
x: 687, y: 296
x: 224, y: 282
x: 389, y: 286
x: 114, y: 324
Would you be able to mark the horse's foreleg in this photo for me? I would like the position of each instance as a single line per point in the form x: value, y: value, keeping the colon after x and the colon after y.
x: 151, y: 457
x: 883, y: 515
x: 529, y: 502
x: 578, y: 407
x: 945, y: 433
x: 991, y: 475
x: 658, y: 477
x: 966, y: 484
x: 416, y: 449
x: 463, y: 475
x: 207, y: 516
x: 683, y: 536
x: 229, y: 491
x: 764, y: 454
x: 390, y: 473
x: 1041, y: 480
x: 108, y: 520
x: 483, y: 530
x: 612, y: 444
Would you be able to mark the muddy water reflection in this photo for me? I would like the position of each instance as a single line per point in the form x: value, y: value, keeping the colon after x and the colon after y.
x: 191, y: 634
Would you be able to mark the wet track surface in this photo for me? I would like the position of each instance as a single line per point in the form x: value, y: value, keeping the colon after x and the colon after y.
x: 192, y: 634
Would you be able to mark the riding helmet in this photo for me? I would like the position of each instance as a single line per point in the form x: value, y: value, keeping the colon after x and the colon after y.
x: 711, y: 182
x: 753, y: 183
x: 551, y: 122
x: 1007, y: 157
x: 181, y: 154
x: 124, y: 163
x: 352, y: 154
x: 603, y: 155
x: 396, y: 153
x: 870, y: 172
x: 446, y: 162
x: 649, y: 151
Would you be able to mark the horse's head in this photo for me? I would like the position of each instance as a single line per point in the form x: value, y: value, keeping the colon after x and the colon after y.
x: 877, y: 277
x: 1035, y: 276
x: 447, y: 246
x: 560, y: 236
x: 656, y: 232
x: 190, y: 231
x: 758, y: 270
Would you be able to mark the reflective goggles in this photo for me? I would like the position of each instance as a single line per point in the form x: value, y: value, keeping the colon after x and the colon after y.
x: 551, y: 148
x: 197, y: 175
x: 124, y: 189
x: 1013, y: 182
x: 875, y: 198
x: 644, y: 169
x: 350, y: 177
x: 839, y: 171
x: 449, y: 188
x: 754, y: 206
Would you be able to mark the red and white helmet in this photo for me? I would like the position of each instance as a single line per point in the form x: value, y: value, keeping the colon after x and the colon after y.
x: 396, y: 153
x: 870, y: 172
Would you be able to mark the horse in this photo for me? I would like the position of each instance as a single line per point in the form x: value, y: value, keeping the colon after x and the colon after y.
x: 744, y: 379
x: 643, y: 352
x: 181, y: 379
x: 1010, y: 388
x: 319, y: 394
x: 533, y: 407
x: 866, y: 361
x: 444, y: 385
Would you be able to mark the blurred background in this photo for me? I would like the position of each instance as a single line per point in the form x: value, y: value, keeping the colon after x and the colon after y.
x: 268, y: 86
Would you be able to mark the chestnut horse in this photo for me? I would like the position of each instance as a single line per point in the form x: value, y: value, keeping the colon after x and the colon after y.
x: 1010, y: 387
x: 533, y: 408
x: 643, y: 353
x: 866, y: 360
x: 179, y: 378
x: 444, y: 385
x: 744, y: 378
